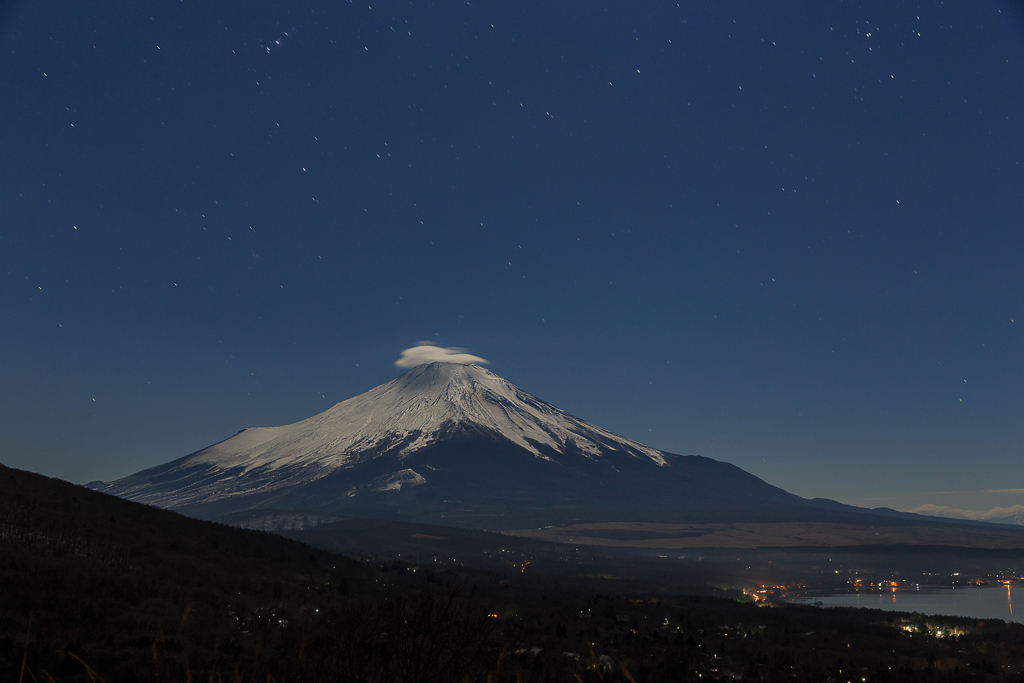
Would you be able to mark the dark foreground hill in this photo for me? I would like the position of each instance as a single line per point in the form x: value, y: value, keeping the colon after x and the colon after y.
x: 95, y: 588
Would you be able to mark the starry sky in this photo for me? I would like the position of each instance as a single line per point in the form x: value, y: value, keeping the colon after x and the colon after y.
x: 785, y: 235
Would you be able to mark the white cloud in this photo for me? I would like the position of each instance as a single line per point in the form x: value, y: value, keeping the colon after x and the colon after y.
x: 428, y: 352
x: 1014, y: 512
x: 982, y: 491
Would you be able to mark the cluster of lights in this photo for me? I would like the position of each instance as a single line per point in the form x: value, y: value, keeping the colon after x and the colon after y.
x: 937, y: 632
x: 859, y: 583
x: 764, y: 592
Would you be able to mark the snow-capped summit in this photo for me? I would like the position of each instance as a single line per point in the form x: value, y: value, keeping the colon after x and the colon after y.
x: 443, y: 442
x: 435, y: 399
x: 411, y: 412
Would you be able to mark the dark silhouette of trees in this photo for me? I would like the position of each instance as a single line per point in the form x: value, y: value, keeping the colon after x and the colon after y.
x: 431, y: 637
x: 154, y: 596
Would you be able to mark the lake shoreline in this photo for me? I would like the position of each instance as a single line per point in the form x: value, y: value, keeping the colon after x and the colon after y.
x: 991, y: 601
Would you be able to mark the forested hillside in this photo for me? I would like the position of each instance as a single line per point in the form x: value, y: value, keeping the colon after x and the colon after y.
x: 94, y: 588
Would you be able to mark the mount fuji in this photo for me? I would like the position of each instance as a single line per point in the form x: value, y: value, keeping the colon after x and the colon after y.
x: 456, y: 444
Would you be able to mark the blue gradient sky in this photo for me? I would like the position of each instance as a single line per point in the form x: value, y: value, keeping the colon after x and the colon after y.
x: 787, y: 238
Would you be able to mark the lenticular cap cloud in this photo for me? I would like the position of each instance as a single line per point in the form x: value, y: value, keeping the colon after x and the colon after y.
x: 428, y: 352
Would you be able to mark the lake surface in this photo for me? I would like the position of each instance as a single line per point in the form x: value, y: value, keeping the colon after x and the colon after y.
x: 979, y: 602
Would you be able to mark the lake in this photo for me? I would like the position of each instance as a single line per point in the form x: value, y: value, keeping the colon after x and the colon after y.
x: 979, y: 602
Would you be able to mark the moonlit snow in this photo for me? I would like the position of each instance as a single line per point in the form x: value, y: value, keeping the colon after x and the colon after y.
x: 403, y: 416
x: 420, y: 403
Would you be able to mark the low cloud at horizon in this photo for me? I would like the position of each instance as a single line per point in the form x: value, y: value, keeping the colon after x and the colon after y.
x: 1015, y: 512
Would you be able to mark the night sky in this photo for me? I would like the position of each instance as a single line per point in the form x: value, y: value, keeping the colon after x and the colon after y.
x: 783, y: 235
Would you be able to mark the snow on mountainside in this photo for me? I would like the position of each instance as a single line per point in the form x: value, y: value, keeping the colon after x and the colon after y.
x: 426, y: 406
x: 455, y: 444
x: 417, y: 407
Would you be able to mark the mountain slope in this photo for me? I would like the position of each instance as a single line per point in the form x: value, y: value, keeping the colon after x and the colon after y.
x: 455, y: 444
